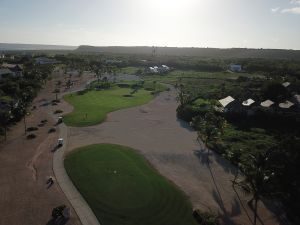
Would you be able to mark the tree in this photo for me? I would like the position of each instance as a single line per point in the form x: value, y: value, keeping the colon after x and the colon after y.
x: 258, y: 176
x: 209, y: 127
x: 183, y: 97
x: 5, y: 113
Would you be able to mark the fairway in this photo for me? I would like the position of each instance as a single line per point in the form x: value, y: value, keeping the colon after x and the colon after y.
x: 92, y: 107
x: 122, y: 188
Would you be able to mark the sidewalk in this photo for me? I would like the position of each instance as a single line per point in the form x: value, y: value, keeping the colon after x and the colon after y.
x: 81, y: 207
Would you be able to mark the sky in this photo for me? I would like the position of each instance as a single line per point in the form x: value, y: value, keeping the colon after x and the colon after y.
x: 177, y: 23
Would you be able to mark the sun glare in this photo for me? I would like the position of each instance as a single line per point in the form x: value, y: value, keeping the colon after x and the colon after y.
x: 168, y: 6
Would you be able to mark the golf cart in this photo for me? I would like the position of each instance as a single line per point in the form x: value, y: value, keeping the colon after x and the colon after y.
x: 60, y: 142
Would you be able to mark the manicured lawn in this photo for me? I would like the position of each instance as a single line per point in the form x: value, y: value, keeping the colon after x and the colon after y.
x: 92, y: 107
x: 122, y: 188
x: 130, y: 70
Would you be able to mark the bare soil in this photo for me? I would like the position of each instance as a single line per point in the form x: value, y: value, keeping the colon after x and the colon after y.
x: 171, y: 147
x: 25, y: 198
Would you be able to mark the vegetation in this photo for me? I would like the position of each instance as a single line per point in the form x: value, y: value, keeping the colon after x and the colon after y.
x: 206, y: 218
x: 102, y: 173
x: 32, y: 129
x: 254, y: 142
x: 51, y: 130
x: 31, y: 136
x: 16, y: 93
x: 58, y: 111
x: 91, y: 107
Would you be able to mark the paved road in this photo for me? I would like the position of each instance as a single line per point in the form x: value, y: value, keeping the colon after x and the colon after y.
x: 82, y: 209
x: 80, y: 206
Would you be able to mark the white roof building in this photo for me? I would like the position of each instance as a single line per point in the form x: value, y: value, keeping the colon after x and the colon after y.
x: 286, y: 84
x: 297, y: 98
x: 267, y: 103
x: 286, y: 105
x: 248, y: 102
x: 225, y: 101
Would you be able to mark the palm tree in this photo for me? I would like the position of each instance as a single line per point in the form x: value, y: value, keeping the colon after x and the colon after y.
x: 258, y: 176
x: 209, y: 127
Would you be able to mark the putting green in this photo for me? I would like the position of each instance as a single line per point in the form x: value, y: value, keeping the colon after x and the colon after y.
x: 122, y: 188
x: 92, y: 107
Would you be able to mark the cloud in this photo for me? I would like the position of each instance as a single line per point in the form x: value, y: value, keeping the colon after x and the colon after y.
x: 295, y: 1
x: 295, y: 10
x: 274, y: 10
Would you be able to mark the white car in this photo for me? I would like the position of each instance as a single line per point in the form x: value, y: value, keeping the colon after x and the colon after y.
x: 60, y: 142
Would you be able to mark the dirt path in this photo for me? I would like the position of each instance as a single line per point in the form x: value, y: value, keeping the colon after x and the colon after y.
x: 25, y: 166
x: 171, y: 146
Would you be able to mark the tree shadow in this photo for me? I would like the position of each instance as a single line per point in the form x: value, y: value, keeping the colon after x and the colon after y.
x: 58, y: 221
x: 224, y: 215
x: 237, y: 207
x: 185, y: 125
x: 203, y: 156
x: 227, y: 216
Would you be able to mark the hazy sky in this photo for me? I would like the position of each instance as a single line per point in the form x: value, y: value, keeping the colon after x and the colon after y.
x: 197, y: 23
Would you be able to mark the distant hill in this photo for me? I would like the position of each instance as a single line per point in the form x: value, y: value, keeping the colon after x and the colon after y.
x: 24, y: 47
x: 201, y: 52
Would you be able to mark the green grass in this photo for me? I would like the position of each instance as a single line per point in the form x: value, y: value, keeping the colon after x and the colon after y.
x: 175, y: 75
x: 130, y: 70
x: 92, y: 107
x: 122, y: 188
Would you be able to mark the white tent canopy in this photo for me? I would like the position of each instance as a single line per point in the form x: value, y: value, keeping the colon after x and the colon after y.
x: 267, y: 103
x: 225, y: 101
x: 248, y: 102
x: 286, y: 84
x: 297, y: 98
x: 286, y: 104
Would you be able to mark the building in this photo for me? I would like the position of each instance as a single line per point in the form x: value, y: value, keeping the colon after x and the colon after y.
x: 5, y: 72
x: 286, y: 84
x: 248, y: 102
x: 44, y: 60
x: 286, y: 105
x: 268, y: 103
x: 164, y: 68
x: 156, y: 69
x: 16, y: 69
x: 235, y: 68
x: 226, y: 101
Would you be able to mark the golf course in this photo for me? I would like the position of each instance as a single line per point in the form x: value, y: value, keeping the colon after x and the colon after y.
x: 121, y: 187
x: 91, y: 107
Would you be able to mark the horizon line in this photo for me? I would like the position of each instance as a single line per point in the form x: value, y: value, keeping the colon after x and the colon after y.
x: 157, y: 46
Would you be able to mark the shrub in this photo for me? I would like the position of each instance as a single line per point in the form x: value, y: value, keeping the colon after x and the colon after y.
x: 205, y: 218
x: 51, y: 130
x: 31, y: 136
x: 121, y: 85
x: 149, y: 89
x: 82, y: 92
x: 58, y: 111
x: 44, y: 121
x: 32, y: 129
